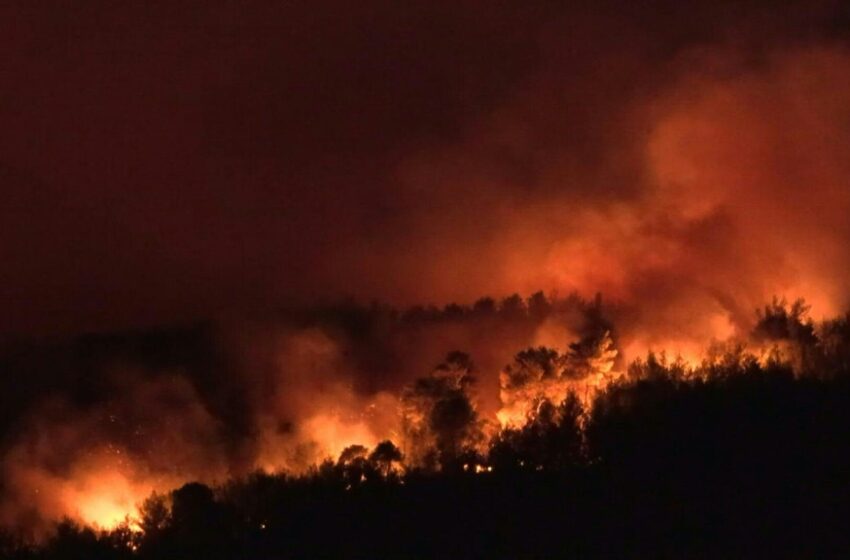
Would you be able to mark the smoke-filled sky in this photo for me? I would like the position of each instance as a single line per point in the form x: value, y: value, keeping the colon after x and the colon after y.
x: 163, y: 162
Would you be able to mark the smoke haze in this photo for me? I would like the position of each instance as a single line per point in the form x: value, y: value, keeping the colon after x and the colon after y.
x: 169, y: 163
x: 253, y: 165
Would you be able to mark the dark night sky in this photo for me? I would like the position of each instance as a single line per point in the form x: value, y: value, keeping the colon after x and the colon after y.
x: 162, y: 163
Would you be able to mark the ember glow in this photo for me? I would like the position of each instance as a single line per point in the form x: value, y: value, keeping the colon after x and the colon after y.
x: 100, y: 490
x: 98, y: 463
x: 106, y: 499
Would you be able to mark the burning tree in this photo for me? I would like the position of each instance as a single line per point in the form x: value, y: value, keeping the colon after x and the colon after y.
x: 439, y: 418
x: 551, y: 439
x: 542, y: 375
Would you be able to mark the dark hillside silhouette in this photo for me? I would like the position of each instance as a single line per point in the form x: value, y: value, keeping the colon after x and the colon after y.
x: 743, y: 461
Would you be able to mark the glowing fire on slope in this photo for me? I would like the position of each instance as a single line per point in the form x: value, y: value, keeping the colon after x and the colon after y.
x: 105, y: 493
x: 106, y: 499
x: 543, y: 374
x: 338, y: 421
x: 66, y: 469
x: 323, y: 436
x: 102, y: 489
x: 334, y: 434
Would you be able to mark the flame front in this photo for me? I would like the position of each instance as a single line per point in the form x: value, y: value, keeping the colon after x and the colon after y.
x: 105, y: 499
x: 98, y: 466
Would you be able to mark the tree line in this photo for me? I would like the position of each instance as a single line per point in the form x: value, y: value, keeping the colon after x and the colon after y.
x: 743, y: 456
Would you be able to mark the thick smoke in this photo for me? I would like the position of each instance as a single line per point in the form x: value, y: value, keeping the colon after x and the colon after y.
x: 307, y: 387
x: 152, y: 410
x: 687, y: 162
x: 212, y: 160
x: 95, y: 463
x: 734, y: 193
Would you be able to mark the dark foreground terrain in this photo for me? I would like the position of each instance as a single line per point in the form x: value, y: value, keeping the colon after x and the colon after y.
x: 748, y: 461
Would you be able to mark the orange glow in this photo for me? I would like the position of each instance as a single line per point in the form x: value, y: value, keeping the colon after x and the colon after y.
x: 106, y: 499
x: 686, y: 189
x: 691, y: 354
x: 583, y: 371
x: 103, y: 489
x: 333, y: 434
x: 325, y: 435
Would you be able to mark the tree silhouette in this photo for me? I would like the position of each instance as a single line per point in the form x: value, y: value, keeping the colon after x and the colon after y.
x: 744, y: 455
x: 385, y: 456
x: 439, y: 418
x: 551, y: 439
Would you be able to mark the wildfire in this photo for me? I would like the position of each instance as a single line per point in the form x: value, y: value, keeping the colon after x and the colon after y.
x: 542, y: 374
x: 98, y: 493
x: 106, y: 499
x: 100, y: 469
x: 334, y: 433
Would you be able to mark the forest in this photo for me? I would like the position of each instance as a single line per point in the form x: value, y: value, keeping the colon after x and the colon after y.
x: 424, y: 280
x: 742, y: 455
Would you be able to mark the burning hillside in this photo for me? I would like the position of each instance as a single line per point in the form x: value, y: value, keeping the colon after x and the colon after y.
x: 307, y: 393
x: 257, y: 264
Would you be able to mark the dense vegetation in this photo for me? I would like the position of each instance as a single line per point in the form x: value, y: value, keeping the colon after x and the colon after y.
x: 738, y: 458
